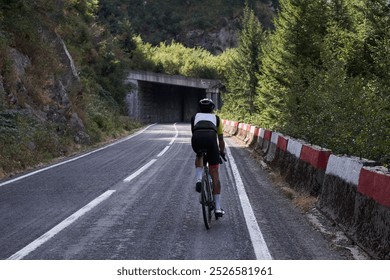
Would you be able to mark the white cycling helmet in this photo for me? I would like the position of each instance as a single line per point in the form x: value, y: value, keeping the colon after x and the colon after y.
x: 206, y: 105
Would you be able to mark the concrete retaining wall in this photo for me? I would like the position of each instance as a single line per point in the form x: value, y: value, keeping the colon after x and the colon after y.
x: 353, y: 192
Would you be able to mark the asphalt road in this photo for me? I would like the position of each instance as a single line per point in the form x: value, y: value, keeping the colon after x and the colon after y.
x: 135, y: 200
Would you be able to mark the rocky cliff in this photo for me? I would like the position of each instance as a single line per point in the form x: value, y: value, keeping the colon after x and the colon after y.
x: 36, y: 111
x: 54, y: 104
x: 216, y: 41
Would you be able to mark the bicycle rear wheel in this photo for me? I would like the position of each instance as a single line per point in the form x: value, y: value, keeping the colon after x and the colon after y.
x: 207, y: 202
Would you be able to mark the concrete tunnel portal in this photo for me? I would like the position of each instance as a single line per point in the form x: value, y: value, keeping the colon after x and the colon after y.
x: 162, y: 98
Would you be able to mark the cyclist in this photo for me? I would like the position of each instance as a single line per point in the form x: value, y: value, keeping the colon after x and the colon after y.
x: 206, y: 128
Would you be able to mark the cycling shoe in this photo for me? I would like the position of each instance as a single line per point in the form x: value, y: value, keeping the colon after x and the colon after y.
x: 219, y: 213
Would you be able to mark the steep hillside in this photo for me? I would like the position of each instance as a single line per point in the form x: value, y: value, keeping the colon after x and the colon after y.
x: 60, y: 82
x: 210, y: 24
x: 62, y: 64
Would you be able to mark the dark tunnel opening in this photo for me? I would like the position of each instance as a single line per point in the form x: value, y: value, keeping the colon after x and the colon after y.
x: 164, y: 103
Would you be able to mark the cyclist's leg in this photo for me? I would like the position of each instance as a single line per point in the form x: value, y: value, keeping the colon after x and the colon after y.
x: 213, y: 159
x: 213, y: 154
x: 197, y: 143
x: 214, y: 172
x: 198, y: 171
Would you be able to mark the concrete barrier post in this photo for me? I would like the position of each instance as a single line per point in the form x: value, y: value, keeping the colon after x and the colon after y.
x: 371, y: 222
x: 281, y: 153
x: 253, y: 135
x: 314, y: 161
x: 233, y: 128
x: 294, y: 148
x: 271, y: 153
x: 337, y: 198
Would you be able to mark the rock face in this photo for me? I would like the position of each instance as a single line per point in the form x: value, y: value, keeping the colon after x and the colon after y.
x: 55, y: 107
x: 215, y: 41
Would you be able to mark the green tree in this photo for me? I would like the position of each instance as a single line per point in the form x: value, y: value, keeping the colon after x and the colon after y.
x: 291, y: 58
x: 242, y: 78
x: 347, y: 98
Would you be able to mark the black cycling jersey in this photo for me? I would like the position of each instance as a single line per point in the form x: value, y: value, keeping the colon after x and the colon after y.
x: 205, y: 128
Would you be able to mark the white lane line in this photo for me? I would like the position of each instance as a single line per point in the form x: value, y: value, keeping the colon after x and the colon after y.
x: 68, y: 221
x: 65, y: 223
x: 170, y: 143
x: 73, y: 159
x: 139, y: 171
x: 258, y: 242
x: 146, y: 166
x: 163, y: 151
x: 176, y: 135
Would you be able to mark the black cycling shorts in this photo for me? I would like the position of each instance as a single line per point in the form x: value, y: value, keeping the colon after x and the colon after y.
x: 206, y: 141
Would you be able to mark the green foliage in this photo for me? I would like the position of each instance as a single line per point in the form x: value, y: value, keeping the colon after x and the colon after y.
x: 355, y: 93
x: 165, y: 21
x: 102, y: 58
x: 176, y: 59
x: 242, y: 76
x: 290, y: 59
x: 86, y: 8
x: 325, y: 76
x: 24, y: 141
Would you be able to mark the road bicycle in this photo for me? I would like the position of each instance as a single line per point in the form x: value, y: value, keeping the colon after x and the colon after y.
x: 206, y: 193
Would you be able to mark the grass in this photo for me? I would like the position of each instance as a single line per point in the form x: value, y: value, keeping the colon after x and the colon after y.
x: 303, y: 201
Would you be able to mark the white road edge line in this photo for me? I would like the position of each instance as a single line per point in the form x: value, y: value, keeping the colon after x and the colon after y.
x: 73, y: 159
x: 139, y: 171
x: 65, y: 223
x: 258, y: 242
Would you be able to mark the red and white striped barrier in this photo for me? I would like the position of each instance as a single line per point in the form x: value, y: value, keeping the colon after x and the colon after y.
x: 271, y: 153
x: 314, y: 161
x: 253, y: 135
x: 243, y: 131
x: 233, y: 128
x: 294, y: 147
x: 267, y: 140
x: 374, y: 182
x: 337, y: 198
x: 357, y: 198
x: 282, y: 143
x: 281, y: 153
x: 315, y: 156
x: 230, y: 127
x: 350, y: 192
x: 293, y: 154
x: 247, y: 128
x: 371, y: 223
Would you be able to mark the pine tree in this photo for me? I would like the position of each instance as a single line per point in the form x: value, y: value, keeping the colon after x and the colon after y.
x: 242, y: 77
x: 290, y: 60
x: 353, y: 111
